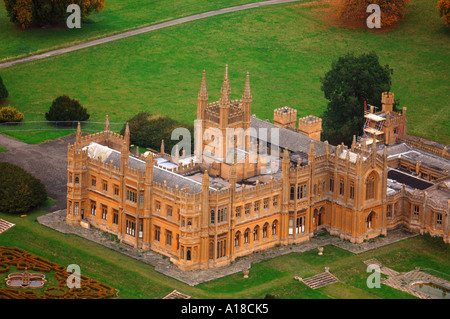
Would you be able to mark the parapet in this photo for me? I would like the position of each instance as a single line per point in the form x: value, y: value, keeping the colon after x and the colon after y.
x: 311, y: 126
x: 285, y: 117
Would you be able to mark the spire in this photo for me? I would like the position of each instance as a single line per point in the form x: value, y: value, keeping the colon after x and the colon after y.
x: 203, y: 94
x: 78, y: 132
x: 247, y: 93
x: 107, y: 124
x: 162, y: 146
x: 225, y: 91
x: 127, y: 134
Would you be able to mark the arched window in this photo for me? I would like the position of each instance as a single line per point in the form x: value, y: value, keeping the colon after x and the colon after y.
x: 256, y: 233
x: 265, y: 227
x: 246, y: 236
x: 237, y: 239
x: 274, y: 227
x: 370, y: 187
x: 370, y: 220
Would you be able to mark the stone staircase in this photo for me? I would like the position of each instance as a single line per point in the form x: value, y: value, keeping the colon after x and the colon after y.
x: 5, y: 225
x: 320, y: 280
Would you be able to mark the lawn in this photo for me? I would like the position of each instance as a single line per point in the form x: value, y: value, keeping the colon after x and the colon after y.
x: 137, y: 280
x: 286, y: 48
x: 117, y: 16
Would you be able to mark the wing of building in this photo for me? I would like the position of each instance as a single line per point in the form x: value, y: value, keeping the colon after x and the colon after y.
x: 252, y: 184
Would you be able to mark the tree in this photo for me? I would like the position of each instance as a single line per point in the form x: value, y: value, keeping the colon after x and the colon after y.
x: 147, y: 130
x: 19, y: 190
x: 392, y: 11
x: 444, y: 10
x: 64, y: 108
x: 43, y: 12
x: 351, y: 81
x: 3, y: 90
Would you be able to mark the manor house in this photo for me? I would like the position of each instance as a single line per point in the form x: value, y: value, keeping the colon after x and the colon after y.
x: 226, y: 200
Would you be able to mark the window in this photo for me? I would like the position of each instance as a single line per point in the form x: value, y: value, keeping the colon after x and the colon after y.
x: 141, y: 227
x: 130, y: 227
x: 237, y: 239
x: 292, y: 193
x: 212, y: 216
x: 266, y: 203
x: 77, y: 180
x: 275, y: 201
x: 416, y: 211
x: 157, y: 207
x: 370, y: 220
x: 389, y: 211
x: 352, y: 190
x: 274, y: 228
x: 221, y: 247
x: 115, y: 217
x: 247, y: 209
x: 131, y: 196
x: 169, y: 211
x: 301, y: 191
x: 238, y: 212
x: 221, y: 215
x: 341, y: 187
x: 439, y: 219
x: 157, y: 233
x: 93, y: 208
x: 76, y: 208
x: 93, y: 182
x: 256, y: 233
x: 246, y: 236
x: 291, y: 226
x: 300, y: 227
x: 70, y: 177
x: 331, y: 185
x: 104, y: 212
x: 116, y: 190
x: 370, y: 187
x: 265, y: 227
x: 141, y: 199
x: 105, y: 186
x: 169, y: 238
x: 256, y: 207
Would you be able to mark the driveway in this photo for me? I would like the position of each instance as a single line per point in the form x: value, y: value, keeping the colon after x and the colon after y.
x: 46, y: 161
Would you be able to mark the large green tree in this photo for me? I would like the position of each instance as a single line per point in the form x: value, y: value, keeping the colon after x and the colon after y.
x: 147, y: 130
x: 351, y: 81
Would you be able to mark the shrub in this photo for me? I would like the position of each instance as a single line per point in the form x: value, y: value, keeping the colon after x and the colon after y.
x: 10, y: 114
x: 20, y: 191
x: 27, y: 13
x: 147, y: 130
x: 64, y: 108
x: 3, y: 90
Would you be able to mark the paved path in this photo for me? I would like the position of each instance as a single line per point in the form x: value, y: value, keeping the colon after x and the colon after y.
x: 142, y: 30
x: 46, y: 161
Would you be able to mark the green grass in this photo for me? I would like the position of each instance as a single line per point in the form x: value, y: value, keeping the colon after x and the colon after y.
x: 117, y: 16
x: 137, y: 280
x: 286, y: 49
x: 3, y: 149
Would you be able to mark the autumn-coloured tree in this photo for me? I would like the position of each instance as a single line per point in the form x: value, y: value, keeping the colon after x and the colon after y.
x: 444, y: 10
x: 392, y: 11
x: 27, y: 13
